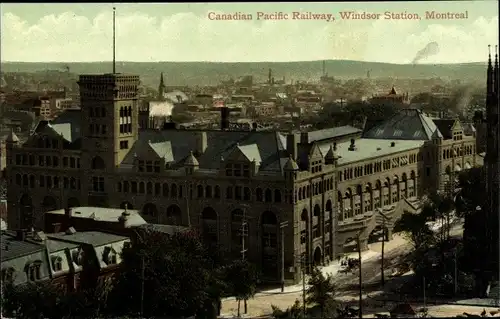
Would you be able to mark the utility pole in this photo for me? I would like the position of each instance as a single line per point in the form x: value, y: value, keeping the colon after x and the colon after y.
x: 303, y: 267
x: 243, y: 234
x: 282, y: 230
x: 358, y: 241
x: 425, y: 306
x: 384, y: 236
x: 455, y: 279
x: 143, y: 266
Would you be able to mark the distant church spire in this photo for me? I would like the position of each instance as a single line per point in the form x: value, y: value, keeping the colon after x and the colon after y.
x: 489, y: 76
x: 495, y: 72
x: 161, y: 88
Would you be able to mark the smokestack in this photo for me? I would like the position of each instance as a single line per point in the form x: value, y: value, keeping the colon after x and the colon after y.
x: 269, y: 76
x: 224, y: 118
x: 324, y: 67
x: 68, y: 212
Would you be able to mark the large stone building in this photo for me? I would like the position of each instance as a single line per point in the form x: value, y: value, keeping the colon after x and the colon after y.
x: 331, y: 186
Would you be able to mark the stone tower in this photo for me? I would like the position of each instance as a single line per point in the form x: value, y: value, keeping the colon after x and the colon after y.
x: 492, y: 161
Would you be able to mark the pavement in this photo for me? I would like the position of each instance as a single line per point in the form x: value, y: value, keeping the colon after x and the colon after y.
x: 348, y: 283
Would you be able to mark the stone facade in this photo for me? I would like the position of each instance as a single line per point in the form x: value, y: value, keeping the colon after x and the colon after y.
x: 236, y: 186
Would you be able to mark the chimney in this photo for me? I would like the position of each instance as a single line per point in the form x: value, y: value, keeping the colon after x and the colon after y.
x: 21, y: 234
x: 68, y: 212
x: 352, y: 147
x: 291, y: 145
x: 224, y: 118
x: 201, y: 142
x: 304, y: 138
x: 56, y: 227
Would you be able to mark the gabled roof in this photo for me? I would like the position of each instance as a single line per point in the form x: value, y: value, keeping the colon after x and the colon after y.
x: 14, y: 248
x: 408, y: 124
x: 249, y: 152
x: 264, y: 146
x: 330, y: 133
x: 68, y: 125
x: 445, y: 127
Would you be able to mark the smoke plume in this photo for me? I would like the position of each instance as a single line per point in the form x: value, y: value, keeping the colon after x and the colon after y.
x: 430, y: 49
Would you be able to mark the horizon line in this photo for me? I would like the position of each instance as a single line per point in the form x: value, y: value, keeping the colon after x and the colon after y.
x: 235, y: 62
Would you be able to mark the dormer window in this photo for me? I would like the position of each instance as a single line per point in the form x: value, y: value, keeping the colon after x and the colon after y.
x: 33, y: 271
x: 56, y: 263
x: 457, y: 135
x: 140, y: 166
x: 77, y: 257
x: 109, y: 256
x: 149, y: 166
x: 8, y: 275
x: 316, y: 166
x: 238, y: 170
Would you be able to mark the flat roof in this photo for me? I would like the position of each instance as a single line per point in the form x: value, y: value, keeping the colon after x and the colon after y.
x: 371, y: 148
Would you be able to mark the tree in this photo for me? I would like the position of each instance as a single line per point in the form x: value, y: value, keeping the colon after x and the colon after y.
x: 32, y: 300
x: 415, y: 229
x: 320, y: 291
x: 293, y: 312
x: 241, y: 278
x: 440, y: 206
x: 164, y: 276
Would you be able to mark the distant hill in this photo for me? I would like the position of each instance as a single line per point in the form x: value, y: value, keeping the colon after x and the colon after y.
x: 207, y: 73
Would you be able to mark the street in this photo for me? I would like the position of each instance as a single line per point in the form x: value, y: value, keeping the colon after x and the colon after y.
x: 347, y: 283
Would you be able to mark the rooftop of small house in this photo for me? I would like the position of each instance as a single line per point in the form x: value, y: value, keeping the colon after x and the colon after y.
x: 103, y: 214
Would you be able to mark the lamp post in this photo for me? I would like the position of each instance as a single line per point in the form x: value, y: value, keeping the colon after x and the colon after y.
x: 384, y: 235
x: 358, y: 242
x: 282, y: 230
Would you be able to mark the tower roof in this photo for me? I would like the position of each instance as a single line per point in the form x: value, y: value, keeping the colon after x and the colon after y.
x: 393, y: 91
x: 12, y: 137
x: 332, y: 154
x: 408, y: 124
x: 191, y: 160
x: 291, y: 165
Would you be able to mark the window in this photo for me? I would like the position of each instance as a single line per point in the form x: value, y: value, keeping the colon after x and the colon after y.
x: 149, y: 166
x: 140, y: 166
x: 78, y: 257
x: 8, y: 275
x: 56, y: 263
x: 33, y: 271
x: 157, y: 166
x: 98, y: 184
x: 123, y: 145
x: 109, y: 256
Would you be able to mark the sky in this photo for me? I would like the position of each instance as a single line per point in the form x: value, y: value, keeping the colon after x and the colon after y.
x: 82, y: 32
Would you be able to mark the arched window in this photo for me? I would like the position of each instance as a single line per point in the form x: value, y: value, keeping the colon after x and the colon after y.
x: 208, y: 191
x: 277, y: 196
x: 268, y: 196
x: 199, y: 189
x: 259, y: 195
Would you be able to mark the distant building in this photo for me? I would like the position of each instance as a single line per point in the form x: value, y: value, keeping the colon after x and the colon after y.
x: 62, y: 104
x: 392, y: 97
x: 119, y: 221
x: 58, y: 258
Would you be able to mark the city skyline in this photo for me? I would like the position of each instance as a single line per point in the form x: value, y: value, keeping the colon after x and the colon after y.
x: 188, y: 33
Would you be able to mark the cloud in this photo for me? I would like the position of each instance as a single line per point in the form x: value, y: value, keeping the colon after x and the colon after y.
x: 191, y: 37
